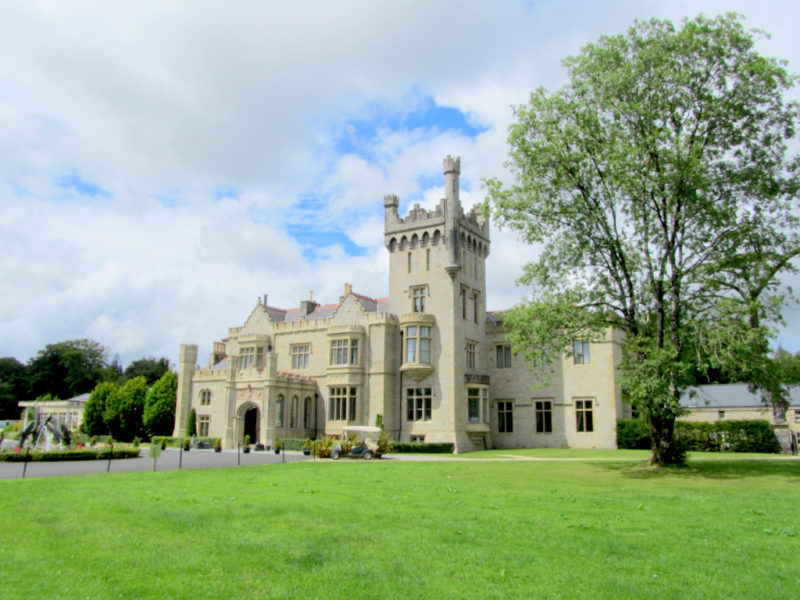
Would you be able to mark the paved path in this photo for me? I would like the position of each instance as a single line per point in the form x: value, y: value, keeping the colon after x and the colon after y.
x: 169, y: 460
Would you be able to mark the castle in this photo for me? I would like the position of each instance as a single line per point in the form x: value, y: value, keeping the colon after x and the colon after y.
x: 428, y: 361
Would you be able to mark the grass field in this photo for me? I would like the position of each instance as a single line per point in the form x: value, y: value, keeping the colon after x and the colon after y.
x: 719, y: 528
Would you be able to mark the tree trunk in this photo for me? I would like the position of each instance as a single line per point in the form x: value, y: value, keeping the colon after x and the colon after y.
x: 664, y: 450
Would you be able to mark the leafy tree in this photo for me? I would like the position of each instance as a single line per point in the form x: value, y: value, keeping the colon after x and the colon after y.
x: 93, y: 422
x: 788, y: 365
x: 151, y: 369
x: 13, y: 387
x: 655, y: 175
x: 113, y: 372
x: 124, y: 409
x: 67, y: 369
x: 159, y: 409
x: 191, y: 428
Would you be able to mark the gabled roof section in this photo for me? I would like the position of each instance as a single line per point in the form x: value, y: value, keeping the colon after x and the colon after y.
x: 729, y: 395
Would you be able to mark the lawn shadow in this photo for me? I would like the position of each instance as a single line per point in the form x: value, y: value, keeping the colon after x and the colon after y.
x: 716, y: 468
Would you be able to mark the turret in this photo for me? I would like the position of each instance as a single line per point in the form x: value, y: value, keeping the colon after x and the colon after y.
x: 187, y: 358
x: 452, y: 169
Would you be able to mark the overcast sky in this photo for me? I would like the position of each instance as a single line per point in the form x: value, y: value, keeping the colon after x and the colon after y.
x: 163, y: 164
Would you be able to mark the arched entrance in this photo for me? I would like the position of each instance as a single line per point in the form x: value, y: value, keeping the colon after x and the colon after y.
x: 251, y: 423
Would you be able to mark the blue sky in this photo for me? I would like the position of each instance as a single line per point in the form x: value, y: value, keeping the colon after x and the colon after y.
x: 161, y: 167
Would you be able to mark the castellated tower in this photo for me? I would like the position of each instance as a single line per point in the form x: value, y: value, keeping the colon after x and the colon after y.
x: 437, y: 287
x: 187, y: 358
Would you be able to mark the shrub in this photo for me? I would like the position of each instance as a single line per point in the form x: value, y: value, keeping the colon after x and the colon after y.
x: 425, y: 448
x: 60, y: 455
x: 247, y: 439
x: 385, y: 445
x: 324, y: 446
x: 633, y: 433
x: 136, y: 441
x: 728, y: 436
x: 187, y: 444
x: 294, y: 443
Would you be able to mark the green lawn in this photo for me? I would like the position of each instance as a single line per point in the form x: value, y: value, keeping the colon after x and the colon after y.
x: 719, y: 528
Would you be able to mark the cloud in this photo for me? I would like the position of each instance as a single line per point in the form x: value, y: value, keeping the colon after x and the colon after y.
x: 163, y: 165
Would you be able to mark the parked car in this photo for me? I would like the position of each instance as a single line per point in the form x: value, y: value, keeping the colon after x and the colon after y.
x: 365, y: 445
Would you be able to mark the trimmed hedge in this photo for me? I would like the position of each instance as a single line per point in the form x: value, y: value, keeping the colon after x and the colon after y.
x: 173, y: 442
x: 422, y: 448
x: 728, y: 436
x: 292, y: 443
x: 59, y: 455
x: 719, y: 436
x: 633, y: 433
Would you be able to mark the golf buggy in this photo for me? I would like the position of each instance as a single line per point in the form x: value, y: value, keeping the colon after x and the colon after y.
x: 364, y: 446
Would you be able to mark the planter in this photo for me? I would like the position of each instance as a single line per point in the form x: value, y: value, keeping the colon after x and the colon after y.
x: 277, y: 450
x: 246, y: 449
x: 217, y: 448
x: 307, y: 451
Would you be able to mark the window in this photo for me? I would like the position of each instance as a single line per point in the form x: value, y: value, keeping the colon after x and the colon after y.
x: 477, y: 404
x: 583, y: 414
x: 720, y: 414
x: 418, y: 294
x: 472, y: 351
x: 580, y: 352
x: 409, y: 262
x: 251, y: 356
x: 417, y: 439
x: 342, y: 403
x: 542, y: 357
x: 344, y: 351
x: 476, y: 305
x: 203, y: 422
x: 418, y: 344
x: 307, y: 412
x: 293, y: 408
x: 504, y: 356
x: 544, y: 416
x: 418, y: 404
x: 505, y: 416
x: 205, y: 397
x: 247, y: 356
x: 300, y: 354
x: 428, y: 260
x: 279, y: 406
x: 463, y: 302
x: 797, y: 415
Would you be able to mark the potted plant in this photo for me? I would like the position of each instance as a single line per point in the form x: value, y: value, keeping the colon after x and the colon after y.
x: 246, y: 445
x: 218, y: 445
x: 186, y: 444
x: 307, y: 445
x: 277, y: 446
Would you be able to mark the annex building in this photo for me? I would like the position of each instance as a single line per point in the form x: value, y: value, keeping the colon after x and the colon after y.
x: 428, y: 360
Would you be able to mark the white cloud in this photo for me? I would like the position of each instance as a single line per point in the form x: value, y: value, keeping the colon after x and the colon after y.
x: 209, y: 125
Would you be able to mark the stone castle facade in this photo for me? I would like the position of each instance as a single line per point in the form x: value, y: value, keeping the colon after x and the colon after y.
x: 429, y: 359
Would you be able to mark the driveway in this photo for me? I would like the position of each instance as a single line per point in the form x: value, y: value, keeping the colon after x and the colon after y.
x: 169, y: 460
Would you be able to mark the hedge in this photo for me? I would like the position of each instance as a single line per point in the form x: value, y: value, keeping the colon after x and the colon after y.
x: 174, y: 442
x: 719, y: 436
x: 59, y: 455
x: 292, y: 443
x: 422, y: 448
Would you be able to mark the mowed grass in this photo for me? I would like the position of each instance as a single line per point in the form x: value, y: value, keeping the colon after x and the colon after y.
x: 391, y: 529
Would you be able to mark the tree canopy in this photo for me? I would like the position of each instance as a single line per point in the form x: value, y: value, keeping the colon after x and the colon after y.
x: 159, y: 410
x: 151, y: 369
x: 67, y: 369
x: 659, y: 183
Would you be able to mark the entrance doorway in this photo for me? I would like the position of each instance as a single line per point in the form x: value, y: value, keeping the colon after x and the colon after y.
x: 251, y: 425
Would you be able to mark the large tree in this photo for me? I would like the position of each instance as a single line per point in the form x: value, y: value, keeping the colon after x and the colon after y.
x: 93, y: 422
x: 647, y: 178
x: 67, y: 369
x: 151, y: 369
x: 124, y: 409
x: 13, y: 386
x: 159, y: 409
